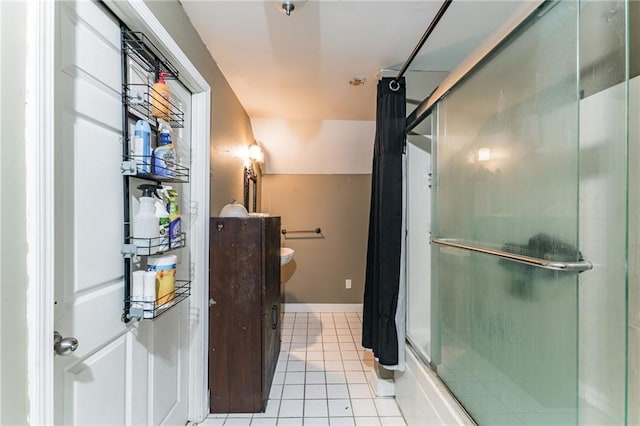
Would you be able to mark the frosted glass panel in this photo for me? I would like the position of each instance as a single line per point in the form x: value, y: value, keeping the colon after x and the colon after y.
x: 509, y: 343
x: 603, y: 215
x: 508, y: 141
x: 507, y: 179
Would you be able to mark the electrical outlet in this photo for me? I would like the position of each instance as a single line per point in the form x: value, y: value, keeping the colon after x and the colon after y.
x: 347, y: 284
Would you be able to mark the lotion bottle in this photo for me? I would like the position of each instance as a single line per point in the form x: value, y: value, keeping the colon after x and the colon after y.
x: 160, y: 98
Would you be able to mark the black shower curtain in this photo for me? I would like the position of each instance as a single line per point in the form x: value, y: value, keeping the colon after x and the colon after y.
x: 385, y: 225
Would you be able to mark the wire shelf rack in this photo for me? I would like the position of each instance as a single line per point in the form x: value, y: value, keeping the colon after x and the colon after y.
x: 143, y: 100
x: 139, y: 308
x: 153, y: 246
x: 143, y: 52
x: 144, y: 167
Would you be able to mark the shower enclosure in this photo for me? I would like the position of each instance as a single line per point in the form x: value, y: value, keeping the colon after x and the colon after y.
x: 533, y: 255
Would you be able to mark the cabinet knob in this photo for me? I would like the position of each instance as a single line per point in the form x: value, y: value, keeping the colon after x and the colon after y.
x: 212, y: 302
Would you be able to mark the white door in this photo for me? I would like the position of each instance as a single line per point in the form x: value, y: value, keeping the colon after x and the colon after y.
x: 120, y: 374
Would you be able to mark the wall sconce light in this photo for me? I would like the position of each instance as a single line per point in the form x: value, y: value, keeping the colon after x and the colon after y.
x: 484, y: 154
x: 251, y: 153
x: 256, y: 153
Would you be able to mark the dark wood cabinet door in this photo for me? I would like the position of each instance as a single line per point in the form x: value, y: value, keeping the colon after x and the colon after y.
x: 244, y: 322
x: 235, y: 346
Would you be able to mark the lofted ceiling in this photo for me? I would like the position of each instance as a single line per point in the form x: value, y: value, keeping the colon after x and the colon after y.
x: 297, y: 68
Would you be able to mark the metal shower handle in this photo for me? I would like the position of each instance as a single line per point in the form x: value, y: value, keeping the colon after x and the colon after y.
x: 527, y: 260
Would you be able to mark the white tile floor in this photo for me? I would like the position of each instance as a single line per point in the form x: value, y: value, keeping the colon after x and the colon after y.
x: 320, y: 377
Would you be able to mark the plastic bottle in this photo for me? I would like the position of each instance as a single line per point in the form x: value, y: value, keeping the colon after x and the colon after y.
x: 164, y: 156
x: 137, y: 289
x: 163, y: 223
x: 149, y: 295
x: 165, y: 269
x: 146, y: 230
x: 142, y: 146
x: 175, y: 222
x: 160, y: 98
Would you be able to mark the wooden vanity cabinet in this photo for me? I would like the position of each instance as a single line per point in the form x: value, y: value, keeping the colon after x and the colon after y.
x: 244, y: 313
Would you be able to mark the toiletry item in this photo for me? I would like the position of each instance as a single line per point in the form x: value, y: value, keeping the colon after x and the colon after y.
x: 165, y: 270
x: 163, y: 223
x: 160, y: 98
x: 149, y: 295
x: 142, y: 146
x: 234, y: 210
x: 164, y: 156
x: 175, y: 222
x: 146, y: 231
x: 137, y: 290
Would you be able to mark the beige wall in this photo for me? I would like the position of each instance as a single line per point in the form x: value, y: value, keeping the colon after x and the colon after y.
x: 13, y: 258
x: 230, y: 125
x: 339, y: 205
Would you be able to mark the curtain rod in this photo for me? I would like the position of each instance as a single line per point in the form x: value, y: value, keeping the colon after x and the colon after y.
x: 427, y: 33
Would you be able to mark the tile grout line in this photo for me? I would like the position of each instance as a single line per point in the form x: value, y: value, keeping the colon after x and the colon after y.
x: 340, y: 347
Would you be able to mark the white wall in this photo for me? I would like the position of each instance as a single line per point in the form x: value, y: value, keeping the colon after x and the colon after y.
x: 315, y: 147
x: 13, y: 257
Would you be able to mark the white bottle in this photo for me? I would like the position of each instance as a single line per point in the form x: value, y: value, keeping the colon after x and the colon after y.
x: 146, y: 231
x: 137, y: 290
x: 149, y: 295
x: 142, y: 146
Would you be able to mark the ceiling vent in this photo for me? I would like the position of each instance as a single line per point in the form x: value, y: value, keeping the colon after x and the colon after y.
x: 357, y: 81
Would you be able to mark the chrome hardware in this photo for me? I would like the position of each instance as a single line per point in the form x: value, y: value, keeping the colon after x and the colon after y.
x: 527, y: 260
x: 64, y: 345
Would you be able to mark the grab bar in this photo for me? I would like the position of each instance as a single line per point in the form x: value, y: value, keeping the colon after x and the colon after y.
x: 302, y: 231
x: 527, y: 260
x: 307, y: 234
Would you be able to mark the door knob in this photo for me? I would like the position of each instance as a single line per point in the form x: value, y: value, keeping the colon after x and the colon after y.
x: 64, y: 345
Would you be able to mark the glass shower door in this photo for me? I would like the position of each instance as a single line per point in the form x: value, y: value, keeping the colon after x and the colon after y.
x: 506, y: 248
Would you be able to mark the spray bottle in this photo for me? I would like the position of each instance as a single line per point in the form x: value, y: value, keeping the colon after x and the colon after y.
x: 145, y: 224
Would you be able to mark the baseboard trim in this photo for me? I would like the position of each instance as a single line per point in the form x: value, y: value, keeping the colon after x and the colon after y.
x: 322, y: 307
